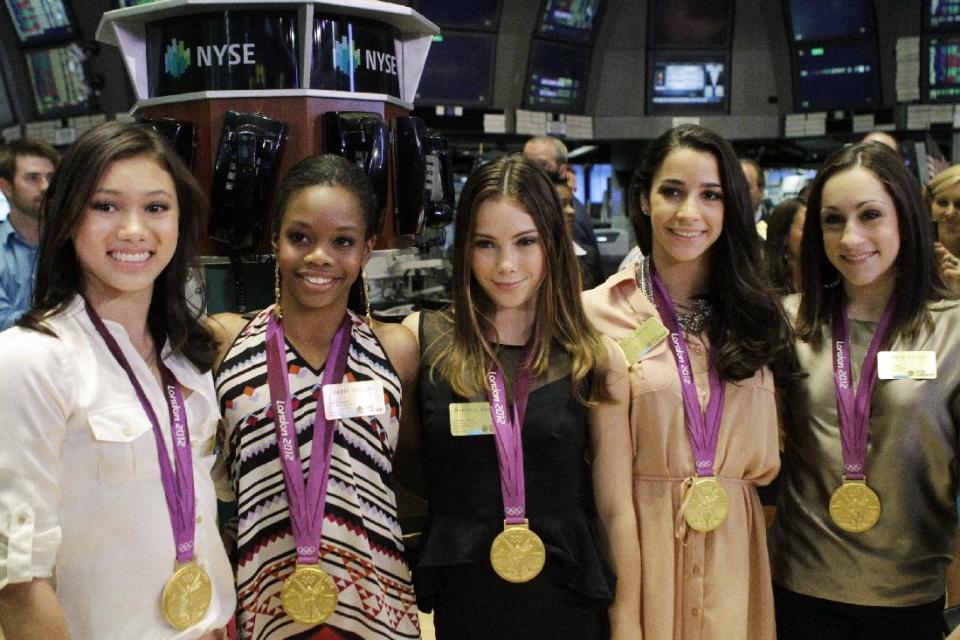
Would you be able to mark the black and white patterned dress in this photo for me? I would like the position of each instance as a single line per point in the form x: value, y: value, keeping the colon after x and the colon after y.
x: 362, y: 547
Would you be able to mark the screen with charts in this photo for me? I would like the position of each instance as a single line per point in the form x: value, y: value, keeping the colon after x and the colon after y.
x: 61, y: 84
x: 37, y: 21
x: 569, y: 20
x: 682, y: 82
x: 458, y: 71
x: 836, y: 76
x: 830, y: 19
x: 941, y: 82
x: 479, y: 15
x: 556, y: 77
x: 689, y: 24
x: 941, y: 14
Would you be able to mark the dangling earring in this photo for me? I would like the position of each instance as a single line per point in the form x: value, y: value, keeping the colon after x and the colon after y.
x: 366, y: 295
x: 645, y: 212
x: 276, y: 289
x: 834, y: 284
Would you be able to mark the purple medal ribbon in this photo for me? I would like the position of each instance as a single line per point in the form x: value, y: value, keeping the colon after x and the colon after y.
x: 306, y: 503
x: 703, y: 430
x: 507, y: 428
x: 853, y: 411
x: 177, y: 483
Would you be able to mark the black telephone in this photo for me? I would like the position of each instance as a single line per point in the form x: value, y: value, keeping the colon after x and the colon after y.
x: 247, y: 157
x: 423, y: 176
x: 180, y: 135
x: 363, y: 139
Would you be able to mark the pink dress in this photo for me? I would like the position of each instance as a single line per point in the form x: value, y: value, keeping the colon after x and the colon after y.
x: 695, y: 586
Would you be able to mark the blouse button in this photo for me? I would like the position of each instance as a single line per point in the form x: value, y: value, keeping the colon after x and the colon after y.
x: 127, y: 431
x: 696, y: 349
x: 23, y: 519
x: 199, y: 519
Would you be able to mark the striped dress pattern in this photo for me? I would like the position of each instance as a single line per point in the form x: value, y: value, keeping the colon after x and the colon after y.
x: 362, y: 546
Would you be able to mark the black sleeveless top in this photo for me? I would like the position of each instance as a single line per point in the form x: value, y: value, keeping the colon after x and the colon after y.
x: 463, y: 481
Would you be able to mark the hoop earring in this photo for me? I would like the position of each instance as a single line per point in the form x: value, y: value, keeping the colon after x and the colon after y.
x: 276, y: 289
x: 366, y: 296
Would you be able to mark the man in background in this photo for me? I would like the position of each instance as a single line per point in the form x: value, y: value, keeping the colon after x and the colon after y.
x: 757, y: 181
x: 25, y: 169
x: 551, y: 154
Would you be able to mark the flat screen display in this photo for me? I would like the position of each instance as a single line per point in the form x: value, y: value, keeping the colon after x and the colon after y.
x: 836, y: 76
x: 829, y: 19
x: 474, y: 15
x: 458, y: 71
x: 941, y: 81
x: 689, y: 24
x: 688, y: 82
x: 60, y: 80
x: 941, y: 14
x: 38, y: 21
x: 556, y: 77
x: 133, y: 3
x: 573, y: 21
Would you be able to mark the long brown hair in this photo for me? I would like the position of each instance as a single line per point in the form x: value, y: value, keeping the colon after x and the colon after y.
x: 559, y: 314
x: 916, y: 263
x: 59, y: 277
x: 749, y: 327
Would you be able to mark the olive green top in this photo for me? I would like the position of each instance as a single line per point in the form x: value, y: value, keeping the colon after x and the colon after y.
x: 911, y: 464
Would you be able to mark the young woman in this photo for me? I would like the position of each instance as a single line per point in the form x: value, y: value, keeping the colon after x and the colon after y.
x: 311, y: 396
x: 865, y: 525
x: 110, y: 414
x: 521, y: 403
x: 942, y: 194
x: 700, y: 331
x: 782, y: 249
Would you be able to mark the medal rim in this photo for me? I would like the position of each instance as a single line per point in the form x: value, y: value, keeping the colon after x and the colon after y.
x: 852, y: 487
x: 698, y: 486
x: 288, y: 585
x: 500, y: 539
x: 178, y: 575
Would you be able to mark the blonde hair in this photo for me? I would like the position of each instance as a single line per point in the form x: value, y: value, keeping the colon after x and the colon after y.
x: 944, y: 180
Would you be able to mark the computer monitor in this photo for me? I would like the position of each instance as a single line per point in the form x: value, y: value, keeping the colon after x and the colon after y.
x: 476, y: 15
x: 38, y: 21
x: 459, y: 70
x: 574, y: 21
x: 940, y: 79
x: 556, y: 77
x: 842, y: 75
x: 820, y: 20
x: 61, y: 81
x: 689, y: 24
x: 682, y: 82
x: 941, y: 14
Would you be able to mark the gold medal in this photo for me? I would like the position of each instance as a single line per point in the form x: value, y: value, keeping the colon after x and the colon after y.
x: 186, y: 595
x: 854, y: 506
x: 706, y: 504
x: 517, y: 554
x: 309, y: 596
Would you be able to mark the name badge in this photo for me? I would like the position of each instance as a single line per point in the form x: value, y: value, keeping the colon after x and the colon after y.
x: 907, y: 365
x: 353, y: 399
x: 645, y: 337
x: 470, y: 419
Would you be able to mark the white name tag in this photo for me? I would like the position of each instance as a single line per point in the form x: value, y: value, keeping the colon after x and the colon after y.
x: 907, y: 365
x: 353, y: 399
x: 470, y: 419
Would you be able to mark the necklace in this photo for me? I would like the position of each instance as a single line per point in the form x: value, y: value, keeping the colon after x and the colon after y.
x: 692, y: 318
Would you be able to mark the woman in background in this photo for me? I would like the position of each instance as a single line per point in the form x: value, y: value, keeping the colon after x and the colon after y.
x: 701, y: 331
x: 942, y: 194
x: 782, y: 248
x: 524, y: 431
x: 109, y: 410
x: 319, y: 552
x: 865, y: 524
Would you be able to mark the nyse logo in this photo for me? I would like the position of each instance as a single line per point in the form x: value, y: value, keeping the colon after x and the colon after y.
x: 177, y: 57
x: 347, y: 57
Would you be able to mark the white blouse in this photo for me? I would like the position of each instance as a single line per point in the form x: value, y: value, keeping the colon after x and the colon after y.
x: 81, y: 498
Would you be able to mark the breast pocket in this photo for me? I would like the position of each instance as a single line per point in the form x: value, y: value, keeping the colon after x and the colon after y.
x: 653, y: 371
x: 124, y: 443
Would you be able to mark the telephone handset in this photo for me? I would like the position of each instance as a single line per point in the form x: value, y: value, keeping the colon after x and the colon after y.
x: 363, y: 139
x: 178, y: 133
x: 423, y: 176
x: 243, y: 172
